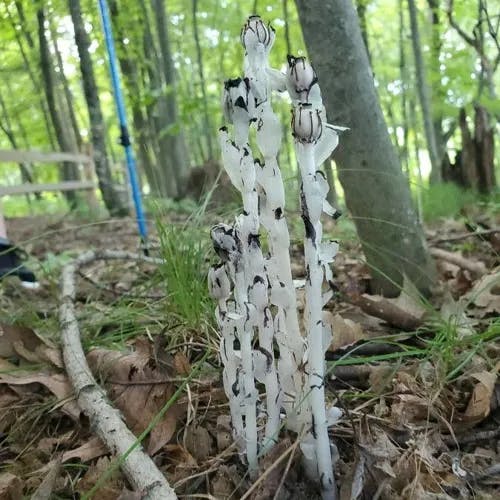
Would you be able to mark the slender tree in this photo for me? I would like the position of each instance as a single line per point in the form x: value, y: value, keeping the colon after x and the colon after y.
x: 424, y: 95
x: 175, y: 140
x: 64, y: 139
x: 201, y: 75
x: 109, y: 194
x: 376, y: 190
x: 69, y: 101
x: 33, y: 76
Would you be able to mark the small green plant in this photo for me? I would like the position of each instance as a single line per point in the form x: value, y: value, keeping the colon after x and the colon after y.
x: 445, y: 200
x: 185, y: 253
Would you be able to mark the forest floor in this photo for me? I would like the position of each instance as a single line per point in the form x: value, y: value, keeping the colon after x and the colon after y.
x: 417, y: 380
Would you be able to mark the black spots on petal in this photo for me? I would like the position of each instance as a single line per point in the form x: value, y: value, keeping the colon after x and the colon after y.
x: 309, y: 228
x: 336, y: 214
x: 278, y: 213
x: 235, y: 387
x: 313, y: 427
x: 253, y: 240
x: 269, y: 358
x: 240, y: 102
x: 231, y: 83
x: 223, y: 129
x: 236, y: 344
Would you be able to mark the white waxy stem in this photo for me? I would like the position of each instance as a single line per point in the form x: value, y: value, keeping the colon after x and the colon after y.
x: 311, y: 198
x: 248, y: 287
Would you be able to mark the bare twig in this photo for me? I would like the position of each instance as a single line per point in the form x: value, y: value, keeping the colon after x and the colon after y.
x: 107, y: 421
x: 464, y: 236
x: 477, y: 268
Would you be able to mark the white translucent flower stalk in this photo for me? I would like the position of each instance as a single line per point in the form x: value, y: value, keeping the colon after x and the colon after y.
x: 228, y: 244
x: 307, y: 129
x: 257, y: 39
x: 220, y: 288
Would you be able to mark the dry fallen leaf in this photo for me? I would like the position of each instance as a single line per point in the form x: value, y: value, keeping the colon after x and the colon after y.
x: 479, y: 404
x: 199, y: 443
x: 11, y: 487
x: 224, y: 433
x: 486, y: 293
x: 44, y: 491
x: 21, y: 341
x: 56, y: 383
x: 93, y: 448
x: 139, y: 385
x: 110, y: 489
x: 345, y: 331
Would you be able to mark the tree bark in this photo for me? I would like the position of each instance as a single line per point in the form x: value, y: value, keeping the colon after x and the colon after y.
x: 110, y: 196
x: 64, y: 140
x: 35, y: 80
x: 68, y: 96
x: 361, y: 10
x: 376, y: 190
x: 175, y: 141
x: 206, y: 115
x: 424, y: 95
x: 6, y: 127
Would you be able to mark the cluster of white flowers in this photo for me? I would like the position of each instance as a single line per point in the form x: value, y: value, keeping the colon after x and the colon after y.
x: 256, y: 313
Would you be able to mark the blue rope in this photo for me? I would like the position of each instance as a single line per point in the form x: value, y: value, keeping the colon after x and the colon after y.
x: 122, y: 116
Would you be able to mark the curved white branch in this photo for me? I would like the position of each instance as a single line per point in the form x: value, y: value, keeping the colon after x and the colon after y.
x: 106, y: 420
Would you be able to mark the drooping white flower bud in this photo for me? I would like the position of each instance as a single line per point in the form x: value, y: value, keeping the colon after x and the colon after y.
x: 307, y: 125
x: 226, y: 242
x: 238, y: 102
x: 218, y: 283
x: 255, y: 33
x: 300, y: 77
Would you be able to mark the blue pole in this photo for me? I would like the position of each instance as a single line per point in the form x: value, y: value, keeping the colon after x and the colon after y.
x: 120, y: 106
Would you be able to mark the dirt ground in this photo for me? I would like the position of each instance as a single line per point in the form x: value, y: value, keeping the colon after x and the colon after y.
x: 417, y: 384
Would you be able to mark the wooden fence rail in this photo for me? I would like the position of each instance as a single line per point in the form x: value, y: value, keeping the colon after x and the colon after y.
x: 19, y: 156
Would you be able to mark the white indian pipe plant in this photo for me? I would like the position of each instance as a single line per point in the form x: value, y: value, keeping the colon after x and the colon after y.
x: 261, y: 340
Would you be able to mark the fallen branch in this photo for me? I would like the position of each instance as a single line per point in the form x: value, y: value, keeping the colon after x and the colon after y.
x: 476, y: 268
x: 385, y: 310
x: 463, y: 236
x: 107, y: 421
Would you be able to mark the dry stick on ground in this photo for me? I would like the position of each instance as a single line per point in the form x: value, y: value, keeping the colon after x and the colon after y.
x: 107, y: 421
x: 477, y: 268
x: 458, y: 237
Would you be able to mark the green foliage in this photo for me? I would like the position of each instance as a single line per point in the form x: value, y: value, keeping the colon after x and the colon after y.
x: 185, y: 250
x: 445, y: 200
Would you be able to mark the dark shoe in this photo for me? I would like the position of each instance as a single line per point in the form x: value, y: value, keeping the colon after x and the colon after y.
x: 11, y: 258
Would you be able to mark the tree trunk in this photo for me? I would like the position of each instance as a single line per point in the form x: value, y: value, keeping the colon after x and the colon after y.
x: 32, y: 75
x: 110, y: 196
x: 474, y: 166
x: 485, y: 150
x: 175, y: 141
x: 146, y: 140
x: 375, y: 188
x: 361, y: 10
x: 199, y: 57
x: 403, y: 75
x: 68, y: 96
x: 424, y: 96
x: 6, y: 127
x: 65, y: 141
